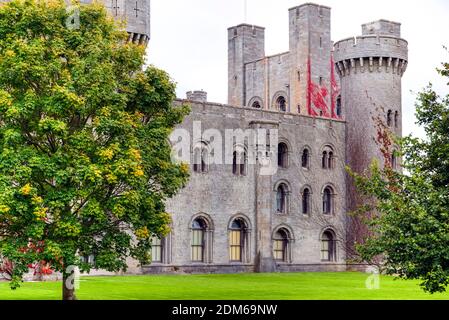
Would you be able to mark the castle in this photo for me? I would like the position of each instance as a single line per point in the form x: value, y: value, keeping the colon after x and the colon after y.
x: 317, y: 106
x: 323, y: 101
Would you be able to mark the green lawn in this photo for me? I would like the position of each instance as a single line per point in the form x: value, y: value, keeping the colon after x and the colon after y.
x: 284, y: 286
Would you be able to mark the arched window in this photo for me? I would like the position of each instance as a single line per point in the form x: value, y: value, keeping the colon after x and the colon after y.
x: 156, y: 250
x: 239, y: 163
x: 198, y: 239
x: 330, y: 162
x: 306, y: 201
x: 236, y: 240
x: 281, y: 198
x: 396, y: 119
x: 281, y: 104
x: 393, y: 160
x: 200, y: 158
x: 389, y: 114
x: 256, y: 105
x: 282, y: 155
x: 328, y: 247
x: 280, y: 243
x: 328, y: 200
x: 305, y: 159
x: 324, y: 161
x: 338, y: 111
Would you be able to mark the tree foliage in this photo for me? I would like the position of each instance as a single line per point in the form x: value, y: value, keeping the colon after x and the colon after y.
x: 85, y: 161
x: 410, y: 230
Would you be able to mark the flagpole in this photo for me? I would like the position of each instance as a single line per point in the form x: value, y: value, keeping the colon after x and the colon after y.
x: 246, y: 10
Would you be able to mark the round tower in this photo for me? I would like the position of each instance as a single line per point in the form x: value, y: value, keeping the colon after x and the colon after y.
x: 370, y: 69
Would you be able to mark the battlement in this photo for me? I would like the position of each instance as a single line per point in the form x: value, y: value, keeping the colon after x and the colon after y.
x: 316, y: 6
x: 135, y: 13
x: 382, y: 27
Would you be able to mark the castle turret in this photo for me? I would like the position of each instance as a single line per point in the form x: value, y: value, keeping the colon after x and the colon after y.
x: 310, y: 56
x: 370, y: 69
x: 246, y: 43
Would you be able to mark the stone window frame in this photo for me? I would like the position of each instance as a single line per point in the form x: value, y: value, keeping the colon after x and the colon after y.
x: 333, y: 255
x: 274, y: 103
x: 288, y: 192
x: 309, y: 157
x: 255, y: 99
x: 289, y: 240
x: 204, y: 151
x: 245, y: 239
x: 284, y: 141
x: 328, y: 157
x: 208, y: 238
x: 333, y: 200
x: 236, y: 166
x: 165, y: 250
x: 310, y: 202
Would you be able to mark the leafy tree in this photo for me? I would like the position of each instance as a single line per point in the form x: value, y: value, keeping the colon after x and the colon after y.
x: 410, y: 227
x: 85, y: 160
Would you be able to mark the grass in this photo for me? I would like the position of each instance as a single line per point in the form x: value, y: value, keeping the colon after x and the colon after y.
x: 277, y: 286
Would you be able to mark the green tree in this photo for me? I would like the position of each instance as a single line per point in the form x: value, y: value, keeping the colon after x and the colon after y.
x: 409, y: 231
x: 85, y: 159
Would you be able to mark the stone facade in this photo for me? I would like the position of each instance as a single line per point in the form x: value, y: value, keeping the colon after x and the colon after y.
x: 320, y: 98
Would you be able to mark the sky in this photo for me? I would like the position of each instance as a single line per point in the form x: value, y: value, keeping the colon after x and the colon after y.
x: 189, y: 39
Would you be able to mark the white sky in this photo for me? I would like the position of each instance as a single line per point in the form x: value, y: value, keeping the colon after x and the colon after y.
x: 189, y: 39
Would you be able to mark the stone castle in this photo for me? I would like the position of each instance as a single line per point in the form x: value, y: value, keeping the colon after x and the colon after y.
x: 321, y: 100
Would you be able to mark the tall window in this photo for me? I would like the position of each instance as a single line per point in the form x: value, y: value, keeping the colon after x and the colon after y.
x: 156, y: 249
x: 200, y: 158
x: 338, y: 106
x: 328, y: 248
x: 198, y: 239
x: 236, y: 240
x: 282, y: 155
x: 330, y: 160
x: 305, y: 159
x: 239, y: 163
x: 389, y: 114
x: 396, y: 119
x: 393, y: 160
x: 281, y: 198
x: 327, y: 200
x: 281, y: 104
x: 280, y: 243
x: 306, y: 201
x: 324, y: 161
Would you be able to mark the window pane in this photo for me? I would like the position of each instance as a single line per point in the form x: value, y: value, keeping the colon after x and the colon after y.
x: 235, y: 245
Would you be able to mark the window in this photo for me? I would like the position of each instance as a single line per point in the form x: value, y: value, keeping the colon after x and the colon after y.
x: 280, y: 243
x: 396, y: 119
x: 200, y: 159
x: 328, y: 250
x: 330, y: 160
x: 393, y: 160
x: 198, y: 237
x: 281, y: 104
x: 324, y: 161
x: 338, y: 106
x: 236, y: 240
x: 327, y: 200
x: 256, y: 105
x: 282, y: 155
x: 281, y: 198
x: 156, y: 250
x: 239, y: 163
x: 306, y: 201
x: 305, y: 159
x: 389, y: 113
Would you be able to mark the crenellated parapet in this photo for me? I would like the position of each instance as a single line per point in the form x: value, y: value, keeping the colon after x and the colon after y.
x: 371, y: 53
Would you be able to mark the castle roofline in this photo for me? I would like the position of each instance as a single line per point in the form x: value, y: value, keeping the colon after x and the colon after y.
x: 246, y: 25
x: 382, y: 20
x: 241, y: 108
x: 309, y: 4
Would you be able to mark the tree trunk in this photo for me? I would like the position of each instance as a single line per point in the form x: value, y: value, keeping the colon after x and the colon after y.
x: 68, y: 286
